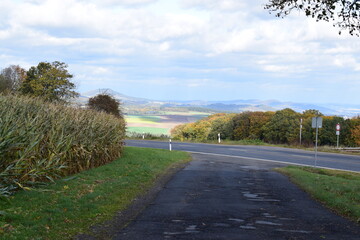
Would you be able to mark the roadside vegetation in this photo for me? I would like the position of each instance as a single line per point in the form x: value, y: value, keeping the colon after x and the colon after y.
x: 71, y: 205
x: 280, y: 128
x: 41, y: 141
x: 337, y: 190
x: 43, y: 137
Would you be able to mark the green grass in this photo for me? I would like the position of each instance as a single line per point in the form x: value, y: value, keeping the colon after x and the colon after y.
x: 338, y: 190
x: 70, y: 206
x: 151, y: 130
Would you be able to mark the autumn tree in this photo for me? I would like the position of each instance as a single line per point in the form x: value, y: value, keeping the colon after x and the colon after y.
x: 345, y: 14
x: 355, y: 130
x: 105, y: 103
x: 249, y: 125
x: 11, y: 78
x: 50, y: 81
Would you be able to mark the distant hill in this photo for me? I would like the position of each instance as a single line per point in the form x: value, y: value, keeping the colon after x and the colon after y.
x: 131, y: 103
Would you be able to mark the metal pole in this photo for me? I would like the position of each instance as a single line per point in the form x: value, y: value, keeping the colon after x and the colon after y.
x: 337, y: 142
x: 316, y: 141
x: 170, y: 145
x: 300, y: 129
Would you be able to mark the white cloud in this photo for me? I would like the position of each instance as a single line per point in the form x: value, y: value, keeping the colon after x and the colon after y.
x: 191, y: 43
x: 224, y: 5
x: 346, y: 61
x: 130, y: 3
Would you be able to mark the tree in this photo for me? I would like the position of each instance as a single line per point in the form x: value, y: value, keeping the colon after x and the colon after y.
x: 221, y: 124
x: 11, y: 78
x: 283, y: 127
x: 355, y: 131
x: 105, y: 103
x: 50, y: 81
x: 249, y: 125
x: 344, y: 14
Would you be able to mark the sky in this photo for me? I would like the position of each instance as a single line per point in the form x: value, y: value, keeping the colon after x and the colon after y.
x: 184, y: 49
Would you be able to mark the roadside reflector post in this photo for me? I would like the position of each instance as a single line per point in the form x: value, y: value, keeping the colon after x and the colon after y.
x: 219, y: 137
x: 143, y: 135
x: 316, y: 123
x: 170, y: 148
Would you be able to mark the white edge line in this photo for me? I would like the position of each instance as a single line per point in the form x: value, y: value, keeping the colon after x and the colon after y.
x: 268, y: 160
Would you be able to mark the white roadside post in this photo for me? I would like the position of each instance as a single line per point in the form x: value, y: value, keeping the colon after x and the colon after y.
x: 316, y: 123
x: 143, y: 135
x: 337, y: 134
x: 170, y: 148
x: 219, y: 137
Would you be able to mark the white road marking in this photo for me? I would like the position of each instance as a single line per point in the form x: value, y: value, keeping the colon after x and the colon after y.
x: 296, y: 155
x: 268, y: 160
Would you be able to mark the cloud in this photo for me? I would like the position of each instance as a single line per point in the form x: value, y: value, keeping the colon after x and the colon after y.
x: 128, y: 3
x: 225, y: 5
x: 188, y: 44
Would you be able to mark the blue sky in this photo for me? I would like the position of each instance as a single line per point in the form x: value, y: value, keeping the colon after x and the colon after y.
x: 184, y: 49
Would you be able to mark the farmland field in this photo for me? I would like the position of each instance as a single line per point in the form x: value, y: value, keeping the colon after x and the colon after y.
x: 161, y: 123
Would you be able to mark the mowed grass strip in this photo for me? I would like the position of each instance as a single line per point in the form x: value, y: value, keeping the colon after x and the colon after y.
x: 72, y: 205
x: 337, y: 190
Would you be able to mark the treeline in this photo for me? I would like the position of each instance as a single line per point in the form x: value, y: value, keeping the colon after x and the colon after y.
x: 280, y: 127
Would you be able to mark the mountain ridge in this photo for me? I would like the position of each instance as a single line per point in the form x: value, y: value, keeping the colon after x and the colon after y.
x: 237, y: 105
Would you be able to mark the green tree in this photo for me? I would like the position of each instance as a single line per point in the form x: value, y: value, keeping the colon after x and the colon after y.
x: 345, y: 14
x: 308, y: 133
x: 283, y: 127
x: 50, y: 81
x: 327, y: 134
x: 105, y: 103
x: 221, y: 124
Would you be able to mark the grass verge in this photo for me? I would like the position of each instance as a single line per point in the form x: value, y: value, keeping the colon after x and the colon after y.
x: 72, y: 205
x: 337, y: 190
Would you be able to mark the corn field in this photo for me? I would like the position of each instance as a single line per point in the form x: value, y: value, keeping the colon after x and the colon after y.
x: 41, y: 141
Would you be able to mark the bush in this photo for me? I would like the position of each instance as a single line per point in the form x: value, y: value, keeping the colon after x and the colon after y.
x: 40, y: 141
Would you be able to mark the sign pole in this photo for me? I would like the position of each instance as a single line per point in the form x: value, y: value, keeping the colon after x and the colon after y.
x: 337, y: 135
x: 301, y: 120
x: 316, y: 142
x: 316, y: 123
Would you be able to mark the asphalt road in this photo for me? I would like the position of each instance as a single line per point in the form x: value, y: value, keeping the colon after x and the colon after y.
x: 218, y: 197
x: 261, y: 153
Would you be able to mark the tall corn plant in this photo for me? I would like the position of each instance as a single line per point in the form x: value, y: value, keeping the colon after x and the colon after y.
x: 41, y: 141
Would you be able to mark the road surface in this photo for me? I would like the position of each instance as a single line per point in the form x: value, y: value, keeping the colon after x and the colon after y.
x: 261, y: 153
x: 218, y: 197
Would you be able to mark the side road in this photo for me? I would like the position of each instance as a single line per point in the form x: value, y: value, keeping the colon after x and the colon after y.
x: 225, y: 198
